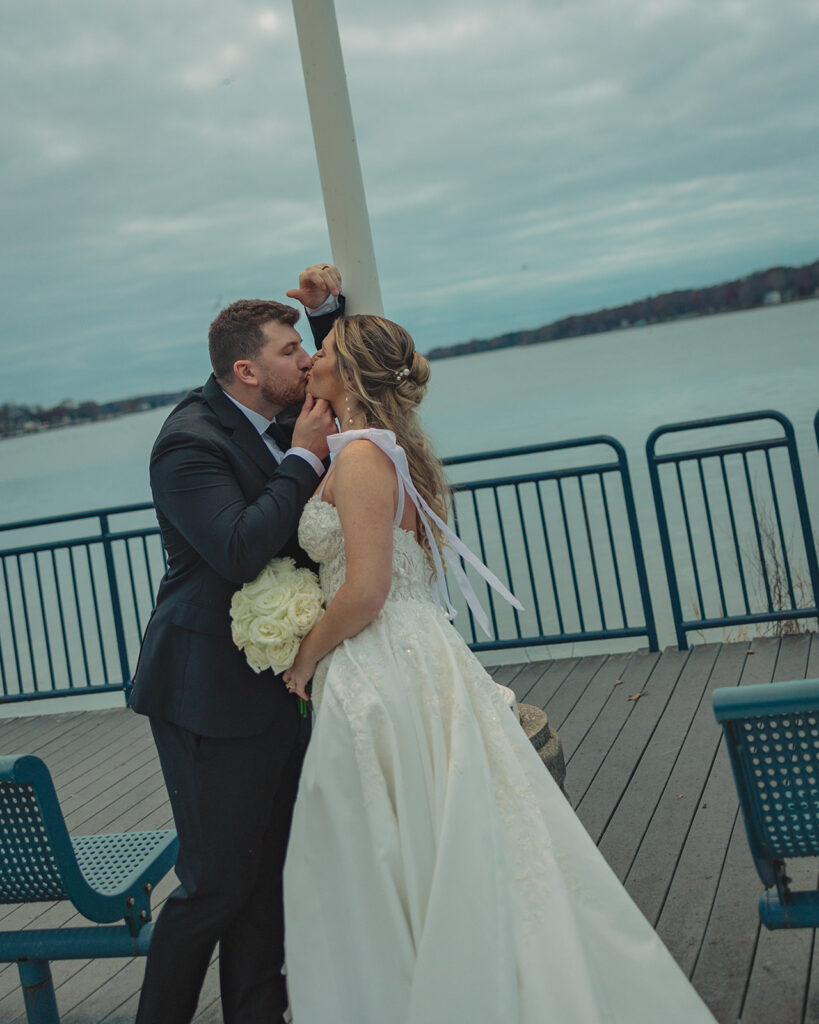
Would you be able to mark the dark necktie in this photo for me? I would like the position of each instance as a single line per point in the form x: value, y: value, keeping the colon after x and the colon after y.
x: 279, y: 435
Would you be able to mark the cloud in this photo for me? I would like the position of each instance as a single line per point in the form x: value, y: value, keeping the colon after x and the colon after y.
x: 521, y: 162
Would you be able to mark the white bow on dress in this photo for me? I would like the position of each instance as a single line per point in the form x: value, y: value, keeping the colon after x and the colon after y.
x: 385, y: 439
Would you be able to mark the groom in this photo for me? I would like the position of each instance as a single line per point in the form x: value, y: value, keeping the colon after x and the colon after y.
x: 229, y: 485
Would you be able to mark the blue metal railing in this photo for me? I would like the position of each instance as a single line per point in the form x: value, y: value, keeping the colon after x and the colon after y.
x: 727, y: 527
x: 568, y: 543
x: 72, y: 610
x: 556, y: 522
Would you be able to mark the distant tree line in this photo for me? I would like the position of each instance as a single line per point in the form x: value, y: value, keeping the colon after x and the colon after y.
x: 765, y: 287
x: 24, y: 419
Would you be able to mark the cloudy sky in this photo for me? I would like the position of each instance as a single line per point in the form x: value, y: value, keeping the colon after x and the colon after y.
x: 522, y: 160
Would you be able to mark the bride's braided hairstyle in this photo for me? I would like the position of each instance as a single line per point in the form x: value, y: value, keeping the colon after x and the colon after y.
x: 377, y: 361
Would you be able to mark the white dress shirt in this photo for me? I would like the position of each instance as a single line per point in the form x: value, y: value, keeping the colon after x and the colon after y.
x: 261, y: 423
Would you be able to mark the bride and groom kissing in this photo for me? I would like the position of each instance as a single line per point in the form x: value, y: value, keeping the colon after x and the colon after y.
x: 417, y: 860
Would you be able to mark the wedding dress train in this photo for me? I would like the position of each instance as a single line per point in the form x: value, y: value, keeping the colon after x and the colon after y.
x: 435, y: 873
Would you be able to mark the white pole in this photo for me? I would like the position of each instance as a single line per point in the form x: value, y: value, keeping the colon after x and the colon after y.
x: 345, y: 204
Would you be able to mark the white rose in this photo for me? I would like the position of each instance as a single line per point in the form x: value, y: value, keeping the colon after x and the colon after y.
x: 267, y: 630
x: 240, y: 631
x: 256, y: 587
x: 307, y: 583
x: 241, y: 609
x: 282, y: 655
x: 272, y: 603
x: 257, y: 658
x: 303, y: 612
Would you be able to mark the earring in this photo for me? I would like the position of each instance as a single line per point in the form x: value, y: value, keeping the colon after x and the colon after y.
x: 347, y: 404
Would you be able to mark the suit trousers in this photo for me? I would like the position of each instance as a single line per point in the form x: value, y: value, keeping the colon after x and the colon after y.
x: 232, y: 802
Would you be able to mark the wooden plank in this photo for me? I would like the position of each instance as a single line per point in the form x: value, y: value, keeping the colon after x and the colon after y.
x: 549, y: 682
x: 73, y: 778
x: 723, y: 962
x: 528, y: 677
x: 120, y: 754
x: 792, y: 663
x: 685, y: 914
x: 68, y: 746
x: 102, y: 789
x: 626, y: 727
x: 561, y: 704
x: 106, y: 730
x: 106, y: 1001
x: 589, y: 753
x: 210, y: 1005
x: 721, y: 970
x: 15, y: 732
x: 641, y: 820
x: 38, y: 732
x: 93, y: 1011
x: 504, y: 674
x: 628, y: 761
x: 690, y: 901
x: 581, y: 719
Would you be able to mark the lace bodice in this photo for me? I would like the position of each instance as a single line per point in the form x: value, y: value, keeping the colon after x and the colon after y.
x: 321, y: 536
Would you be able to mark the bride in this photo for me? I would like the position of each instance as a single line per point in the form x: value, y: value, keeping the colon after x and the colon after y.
x: 435, y: 873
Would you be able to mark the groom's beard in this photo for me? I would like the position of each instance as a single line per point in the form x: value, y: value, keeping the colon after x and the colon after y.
x: 278, y: 392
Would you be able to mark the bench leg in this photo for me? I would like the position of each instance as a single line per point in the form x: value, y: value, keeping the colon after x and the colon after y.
x: 38, y: 992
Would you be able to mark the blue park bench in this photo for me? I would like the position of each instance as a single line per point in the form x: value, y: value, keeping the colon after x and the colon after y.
x: 107, y: 878
x: 772, y: 732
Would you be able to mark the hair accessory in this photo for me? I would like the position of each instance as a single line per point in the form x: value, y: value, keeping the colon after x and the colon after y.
x: 401, y: 374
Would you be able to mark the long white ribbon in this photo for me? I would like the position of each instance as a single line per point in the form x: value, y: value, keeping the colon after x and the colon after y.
x: 385, y: 439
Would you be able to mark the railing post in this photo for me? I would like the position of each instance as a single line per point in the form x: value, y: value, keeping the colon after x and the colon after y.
x: 38, y: 992
x: 637, y: 547
x: 802, y: 506
x: 116, y: 609
x: 665, y: 541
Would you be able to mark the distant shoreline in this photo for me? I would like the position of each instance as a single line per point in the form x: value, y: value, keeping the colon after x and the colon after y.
x: 777, y: 286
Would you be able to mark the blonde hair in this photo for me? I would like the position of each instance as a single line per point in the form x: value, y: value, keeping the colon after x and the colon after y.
x: 377, y: 361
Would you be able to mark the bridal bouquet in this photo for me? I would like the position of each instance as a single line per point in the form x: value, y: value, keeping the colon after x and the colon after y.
x: 271, y: 615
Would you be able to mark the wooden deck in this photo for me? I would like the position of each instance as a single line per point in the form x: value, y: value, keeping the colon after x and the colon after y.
x: 649, y: 778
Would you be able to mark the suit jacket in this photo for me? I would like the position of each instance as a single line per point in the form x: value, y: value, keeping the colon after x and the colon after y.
x: 225, y: 508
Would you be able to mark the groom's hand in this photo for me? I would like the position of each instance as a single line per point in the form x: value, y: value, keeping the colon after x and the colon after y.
x: 316, y: 285
x: 315, y: 422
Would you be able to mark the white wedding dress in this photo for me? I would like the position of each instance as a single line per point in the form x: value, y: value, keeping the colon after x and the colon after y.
x: 435, y: 873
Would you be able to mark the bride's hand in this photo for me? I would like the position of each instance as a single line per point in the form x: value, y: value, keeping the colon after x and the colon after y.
x: 298, y: 676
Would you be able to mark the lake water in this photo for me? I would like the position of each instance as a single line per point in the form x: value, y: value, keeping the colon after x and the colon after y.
x: 622, y: 383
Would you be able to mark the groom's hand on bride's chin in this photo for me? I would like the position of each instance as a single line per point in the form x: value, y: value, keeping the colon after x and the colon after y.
x: 315, y: 422
x: 316, y: 285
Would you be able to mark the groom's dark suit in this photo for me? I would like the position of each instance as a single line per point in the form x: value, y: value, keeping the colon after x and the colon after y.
x: 230, y: 742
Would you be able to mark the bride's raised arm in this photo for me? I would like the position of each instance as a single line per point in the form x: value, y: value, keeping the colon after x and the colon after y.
x: 364, y: 490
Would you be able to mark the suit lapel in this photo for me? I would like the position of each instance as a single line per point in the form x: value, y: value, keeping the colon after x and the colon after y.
x: 242, y: 431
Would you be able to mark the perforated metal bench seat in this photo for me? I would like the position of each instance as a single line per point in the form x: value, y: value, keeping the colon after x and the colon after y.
x: 107, y: 878
x: 772, y: 733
